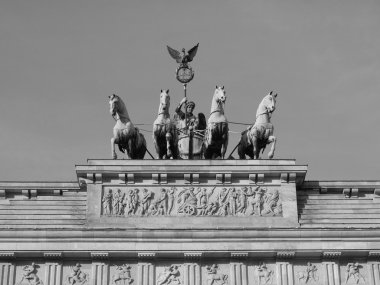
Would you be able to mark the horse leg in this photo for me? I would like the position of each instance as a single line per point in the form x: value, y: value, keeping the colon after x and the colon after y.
x: 225, y: 143
x: 272, y: 139
x: 156, y: 146
x: 255, y: 148
x: 114, y: 156
x: 168, y: 138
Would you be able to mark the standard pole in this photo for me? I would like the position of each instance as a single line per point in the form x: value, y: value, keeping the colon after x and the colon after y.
x: 185, y: 89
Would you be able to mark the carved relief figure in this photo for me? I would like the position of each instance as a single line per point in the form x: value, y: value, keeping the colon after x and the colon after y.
x: 223, y: 202
x: 272, y: 206
x: 29, y: 276
x: 162, y: 203
x: 309, y: 274
x: 171, y: 199
x: 117, y: 201
x: 132, y: 202
x: 147, y: 196
x: 264, y: 275
x: 169, y: 276
x: 107, y: 203
x: 122, y: 276
x: 353, y: 272
x: 215, y: 278
x: 77, y: 276
x: 187, y: 201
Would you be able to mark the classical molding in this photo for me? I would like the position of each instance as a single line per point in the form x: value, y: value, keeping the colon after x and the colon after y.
x: 53, y: 255
x: 285, y: 254
x: 331, y: 254
x: 239, y: 255
x: 374, y: 255
x: 7, y: 255
x: 192, y: 255
x: 99, y: 255
x: 146, y: 255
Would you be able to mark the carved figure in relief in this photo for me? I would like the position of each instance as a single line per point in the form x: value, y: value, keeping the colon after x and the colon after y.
x: 117, y: 202
x: 223, y: 202
x: 122, y: 276
x: 271, y: 205
x: 204, y: 203
x: 162, y: 203
x: 308, y: 274
x: 107, y: 203
x: 187, y: 201
x: 254, y: 139
x: 171, y: 199
x: 29, y: 276
x: 242, y: 200
x: 132, y: 202
x: 147, y: 196
x: 169, y: 276
x: 232, y: 201
x: 264, y: 275
x: 353, y: 272
x: 77, y: 276
x: 215, y: 278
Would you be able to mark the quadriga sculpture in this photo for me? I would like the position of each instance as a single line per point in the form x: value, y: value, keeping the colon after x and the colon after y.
x: 164, y: 131
x: 255, y: 139
x: 125, y: 134
x: 216, y: 138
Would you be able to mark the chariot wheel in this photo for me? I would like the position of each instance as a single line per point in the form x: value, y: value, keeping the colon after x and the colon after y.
x: 189, y: 210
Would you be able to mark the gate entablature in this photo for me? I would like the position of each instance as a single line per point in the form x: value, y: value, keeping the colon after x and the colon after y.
x: 209, y: 194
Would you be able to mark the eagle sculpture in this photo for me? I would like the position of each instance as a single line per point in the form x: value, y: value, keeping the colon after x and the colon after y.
x: 185, y: 58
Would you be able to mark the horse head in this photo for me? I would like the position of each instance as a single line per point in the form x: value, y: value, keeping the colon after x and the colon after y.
x: 114, y: 103
x: 267, y: 105
x: 220, y: 95
x: 164, y: 102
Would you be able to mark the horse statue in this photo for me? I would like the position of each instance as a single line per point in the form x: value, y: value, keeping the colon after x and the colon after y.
x: 255, y: 138
x: 164, y: 130
x: 125, y: 134
x: 216, y: 137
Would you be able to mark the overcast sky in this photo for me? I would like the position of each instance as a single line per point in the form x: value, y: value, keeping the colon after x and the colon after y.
x: 59, y: 60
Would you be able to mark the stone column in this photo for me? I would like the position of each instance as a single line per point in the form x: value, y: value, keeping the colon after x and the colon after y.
x: 374, y: 267
x: 330, y: 265
x: 53, y: 268
x: 100, y: 268
x: 284, y: 268
x: 192, y: 268
x: 238, y: 269
x: 7, y: 268
x: 146, y: 269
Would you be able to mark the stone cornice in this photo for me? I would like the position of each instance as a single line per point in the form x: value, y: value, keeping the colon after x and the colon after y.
x: 7, y: 255
x: 146, y: 255
x: 53, y: 255
x: 285, y: 254
x: 99, y: 255
x: 239, y: 255
x: 192, y: 255
x: 331, y: 254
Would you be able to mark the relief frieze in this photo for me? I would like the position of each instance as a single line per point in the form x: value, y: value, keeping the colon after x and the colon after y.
x: 77, y: 276
x: 29, y: 275
x: 264, y: 274
x: 122, y: 275
x: 191, y: 201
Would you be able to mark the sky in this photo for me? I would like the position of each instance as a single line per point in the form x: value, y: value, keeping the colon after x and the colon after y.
x: 59, y: 60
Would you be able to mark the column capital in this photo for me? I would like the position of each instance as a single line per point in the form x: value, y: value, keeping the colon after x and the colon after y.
x: 285, y: 254
x: 7, y: 255
x: 239, y: 255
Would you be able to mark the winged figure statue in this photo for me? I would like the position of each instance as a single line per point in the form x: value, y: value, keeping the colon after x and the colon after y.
x: 186, y: 57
